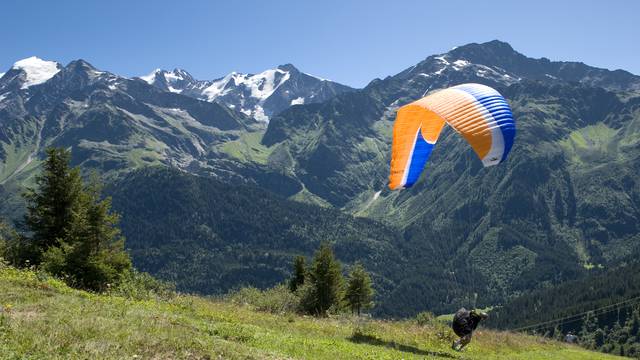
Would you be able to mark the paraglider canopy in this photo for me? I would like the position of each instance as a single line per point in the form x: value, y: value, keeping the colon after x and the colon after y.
x: 477, y: 112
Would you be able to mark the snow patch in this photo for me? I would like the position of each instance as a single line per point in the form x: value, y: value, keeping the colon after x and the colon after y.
x: 37, y: 70
x: 173, y: 76
x: 259, y: 114
x: 151, y: 77
x: 493, y: 74
x: 444, y: 61
x: 460, y: 64
x: 317, y: 77
x: 264, y: 84
x: 376, y: 195
x: 218, y: 87
x: 298, y: 101
x: 441, y: 70
x: 1, y: 75
x: 96, y: 73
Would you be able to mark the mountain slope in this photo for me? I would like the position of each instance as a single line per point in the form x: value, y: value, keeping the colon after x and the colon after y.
x: 210, y: 236
x: 365, y: 118
x: 257, y: 95
x: 596, y: 291
x: 45, y: 319
x: 602, y: 308
x: 110, y: 122
x: 566, y: 197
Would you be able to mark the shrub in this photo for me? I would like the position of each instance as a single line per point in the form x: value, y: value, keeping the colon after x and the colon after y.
x: 142, y: 286
x: 425, y: 318
x: 276, y: 300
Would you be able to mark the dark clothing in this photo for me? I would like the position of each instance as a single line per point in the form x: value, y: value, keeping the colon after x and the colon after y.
x: 465, y: 322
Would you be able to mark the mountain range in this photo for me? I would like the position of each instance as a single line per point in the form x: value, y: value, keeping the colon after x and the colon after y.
x: 257, y: 95
x: 565, y: 201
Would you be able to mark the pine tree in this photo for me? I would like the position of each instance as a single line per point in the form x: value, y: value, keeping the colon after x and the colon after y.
x: 74, y: 234
x: 91, y: 255
x: 359, y: 291
x: 298, y: 277
x: 325, y: 286
x: 50, y: 204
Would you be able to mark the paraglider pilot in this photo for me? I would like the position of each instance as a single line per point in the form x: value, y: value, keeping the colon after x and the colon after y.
x: 464, y: 323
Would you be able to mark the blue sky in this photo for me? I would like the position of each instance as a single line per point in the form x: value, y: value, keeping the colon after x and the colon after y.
x: 351, y: 42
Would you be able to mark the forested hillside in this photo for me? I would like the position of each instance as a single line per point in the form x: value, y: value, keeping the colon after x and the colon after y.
x: 210, y: 236
x: 603, y: 309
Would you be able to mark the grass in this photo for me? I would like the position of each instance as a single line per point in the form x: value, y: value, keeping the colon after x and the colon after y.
x: 247, y: 148
x: 44, y: 319
x: 595, y: 142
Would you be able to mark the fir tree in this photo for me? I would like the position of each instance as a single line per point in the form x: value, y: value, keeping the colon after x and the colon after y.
x: 297, y: 279
x: 74, y: 234
x: 325, y: 286
x: 91, y: 255
x: 50, y: 204
x: 359, y: 291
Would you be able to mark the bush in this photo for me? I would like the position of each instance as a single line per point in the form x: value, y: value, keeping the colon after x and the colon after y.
x: 142, y: 286
x: 425, y: 318
x: 95, y: 272
x: 276, y: 300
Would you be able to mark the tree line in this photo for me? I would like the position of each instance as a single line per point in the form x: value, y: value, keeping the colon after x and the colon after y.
x: 612, y: 330
x: 619, y: 337
x: 322, y: 288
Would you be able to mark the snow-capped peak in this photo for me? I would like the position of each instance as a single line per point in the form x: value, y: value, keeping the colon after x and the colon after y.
x: 257, y: 87
x: 260, y: 86
x: 176, y: 75
x: 175, y: 81
x: 1, y: 75
x: 258, y: 95
x: 151, y: 77
x: 37, y: 70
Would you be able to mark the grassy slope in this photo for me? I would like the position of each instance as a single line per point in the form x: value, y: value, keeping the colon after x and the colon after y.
x: 44, y: 319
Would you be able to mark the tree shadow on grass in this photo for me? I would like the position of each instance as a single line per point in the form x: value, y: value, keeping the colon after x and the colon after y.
x: 372, y: 340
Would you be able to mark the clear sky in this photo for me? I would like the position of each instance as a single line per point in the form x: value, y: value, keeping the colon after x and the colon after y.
x: 351, y: 42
